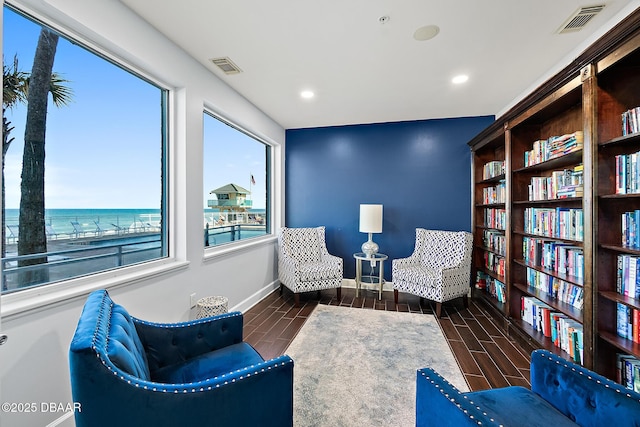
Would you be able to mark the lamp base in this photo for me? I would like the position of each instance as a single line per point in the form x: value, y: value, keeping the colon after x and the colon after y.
x: 370, y: 248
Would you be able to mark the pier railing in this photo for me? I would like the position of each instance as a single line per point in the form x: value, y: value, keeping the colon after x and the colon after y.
x: 68, y: 258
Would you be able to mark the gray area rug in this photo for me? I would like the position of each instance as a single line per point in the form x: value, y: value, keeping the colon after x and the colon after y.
x: 357, y: 367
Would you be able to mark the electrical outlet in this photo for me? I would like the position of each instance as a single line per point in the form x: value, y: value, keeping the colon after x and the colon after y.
x: 192, y: 300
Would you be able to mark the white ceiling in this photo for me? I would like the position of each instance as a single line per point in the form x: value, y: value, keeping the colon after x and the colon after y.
x: 363, y: 71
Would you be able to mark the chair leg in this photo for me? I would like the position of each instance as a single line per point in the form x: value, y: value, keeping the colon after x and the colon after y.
x: 465, y: 301
x: 395, y: 296
x: 318, y: 294
x: 339, y: 294
x: 296, y: 300
x: 438, y: 309
x: 281, y: 288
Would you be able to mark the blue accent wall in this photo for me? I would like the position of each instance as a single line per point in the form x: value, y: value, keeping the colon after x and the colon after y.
x: 419, y: 170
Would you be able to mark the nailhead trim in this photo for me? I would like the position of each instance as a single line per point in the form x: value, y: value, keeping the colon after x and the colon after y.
x: 607, y: 384
x: 158, y: 387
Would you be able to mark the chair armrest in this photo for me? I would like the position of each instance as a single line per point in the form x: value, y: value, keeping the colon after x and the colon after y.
x: 405, y: 262
x: 439, y: 403
x: 327, y: 257
x: 221, y: 400
x: 170, y: 343
x: 585, y: 397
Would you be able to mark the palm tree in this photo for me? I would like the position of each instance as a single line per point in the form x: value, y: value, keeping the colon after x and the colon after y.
x: 13, y: 92
x: 33, y: 238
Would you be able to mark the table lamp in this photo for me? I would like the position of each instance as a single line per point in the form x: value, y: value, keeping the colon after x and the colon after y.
x: 370, y: 222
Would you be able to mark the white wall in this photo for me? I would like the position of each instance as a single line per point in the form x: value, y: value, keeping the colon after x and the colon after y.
x: 34, y: 362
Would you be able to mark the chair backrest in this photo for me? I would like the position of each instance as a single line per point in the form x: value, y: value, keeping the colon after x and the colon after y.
x: 441, y: 249
x: 304, y: 244
x: 107, y: 331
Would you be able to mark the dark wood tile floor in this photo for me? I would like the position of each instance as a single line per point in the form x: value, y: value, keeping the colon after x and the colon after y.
x: 486, y: 356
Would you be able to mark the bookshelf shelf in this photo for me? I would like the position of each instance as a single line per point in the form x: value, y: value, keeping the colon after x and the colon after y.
x: 625, y: 345
x: 558, y: 162
x: 550, y: 202
x: 565, y: 277
x: 596, y: 98
x: 491, y: 300
x: 625, y: 139
x: 492, y: 180
x: 568, y: 309
x: 616, y: 297
x: 543, y: 342
x: 541, y: 236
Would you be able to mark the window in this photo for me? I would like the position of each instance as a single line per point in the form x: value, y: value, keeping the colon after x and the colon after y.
x: 97, y: 201
x: 236, y: 183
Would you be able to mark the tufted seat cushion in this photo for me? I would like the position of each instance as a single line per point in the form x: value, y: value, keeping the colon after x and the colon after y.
x: 209, y: 365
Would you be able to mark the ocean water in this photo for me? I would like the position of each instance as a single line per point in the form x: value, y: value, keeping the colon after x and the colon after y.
x: 59, y: 221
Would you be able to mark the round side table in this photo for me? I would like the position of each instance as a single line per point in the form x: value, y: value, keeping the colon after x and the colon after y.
x: 211, y: 306
x: 369, y: 279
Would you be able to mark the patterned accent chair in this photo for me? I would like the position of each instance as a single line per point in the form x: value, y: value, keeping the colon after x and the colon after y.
x: 439, y: 268
x: 127, y: 372
x: 304, y: 264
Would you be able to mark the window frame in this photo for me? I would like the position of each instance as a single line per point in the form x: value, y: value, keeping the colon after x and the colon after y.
x: 212, y: 252
x: 43, y: 295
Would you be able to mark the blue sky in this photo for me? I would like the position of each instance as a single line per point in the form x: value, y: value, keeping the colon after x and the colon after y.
x: 103, y: 150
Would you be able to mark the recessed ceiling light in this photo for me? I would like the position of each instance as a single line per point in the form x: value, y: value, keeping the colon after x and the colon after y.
x: 426, y: 33
x: 460, y: 79
x: 307, y: 94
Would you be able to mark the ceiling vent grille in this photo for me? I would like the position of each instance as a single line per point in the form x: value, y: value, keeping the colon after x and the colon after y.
x: 580, y: 18
x: 226, y: 65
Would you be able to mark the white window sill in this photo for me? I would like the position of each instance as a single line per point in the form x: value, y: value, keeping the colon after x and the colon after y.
x: 38, y: 297
x: 214, y: 252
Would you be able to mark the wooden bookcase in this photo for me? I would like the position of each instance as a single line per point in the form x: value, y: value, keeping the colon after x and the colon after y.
x: 493, y: 151
x: 588, y: 99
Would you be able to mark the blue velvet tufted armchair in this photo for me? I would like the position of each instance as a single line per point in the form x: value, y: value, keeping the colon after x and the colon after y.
x: 562, y: 394
x: 129, y: 372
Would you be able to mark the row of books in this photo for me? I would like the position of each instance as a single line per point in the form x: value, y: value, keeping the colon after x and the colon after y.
x: 628, y: 371
x: 560, y: 257
x: 560, y: 185
x: 562, y: 223
x: 554, y: 147
x: 495, y: 241
x: 563, y: 331
x: 497, y: 194
x: 492, y: 286
x: 628, y: 322
x: 494, y: 263
x: 558, y: 289
x: 631, y: 229
x: 627, y: 173
x: 630, y: 121
x: 493, y: 169
x: 628, y: 276
x: 495, y: 218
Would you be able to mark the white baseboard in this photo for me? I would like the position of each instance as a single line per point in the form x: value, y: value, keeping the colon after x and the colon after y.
x: 256, y: 297
x: 65, y: 420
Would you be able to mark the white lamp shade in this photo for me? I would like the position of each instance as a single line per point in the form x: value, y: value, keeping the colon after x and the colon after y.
x: 371, y: 218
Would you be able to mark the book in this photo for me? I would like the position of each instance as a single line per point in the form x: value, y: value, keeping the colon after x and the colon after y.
x: 622, y: 312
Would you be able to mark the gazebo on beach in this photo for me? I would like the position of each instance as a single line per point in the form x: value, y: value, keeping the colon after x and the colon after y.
x: 232, y: 200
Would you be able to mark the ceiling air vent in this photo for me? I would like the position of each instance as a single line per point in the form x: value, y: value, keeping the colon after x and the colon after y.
x: 226, y: 65
x: 580, y: 18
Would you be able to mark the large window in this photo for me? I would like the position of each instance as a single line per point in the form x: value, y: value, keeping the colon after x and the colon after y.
x: 96, y: 201
x: 236, y: 184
